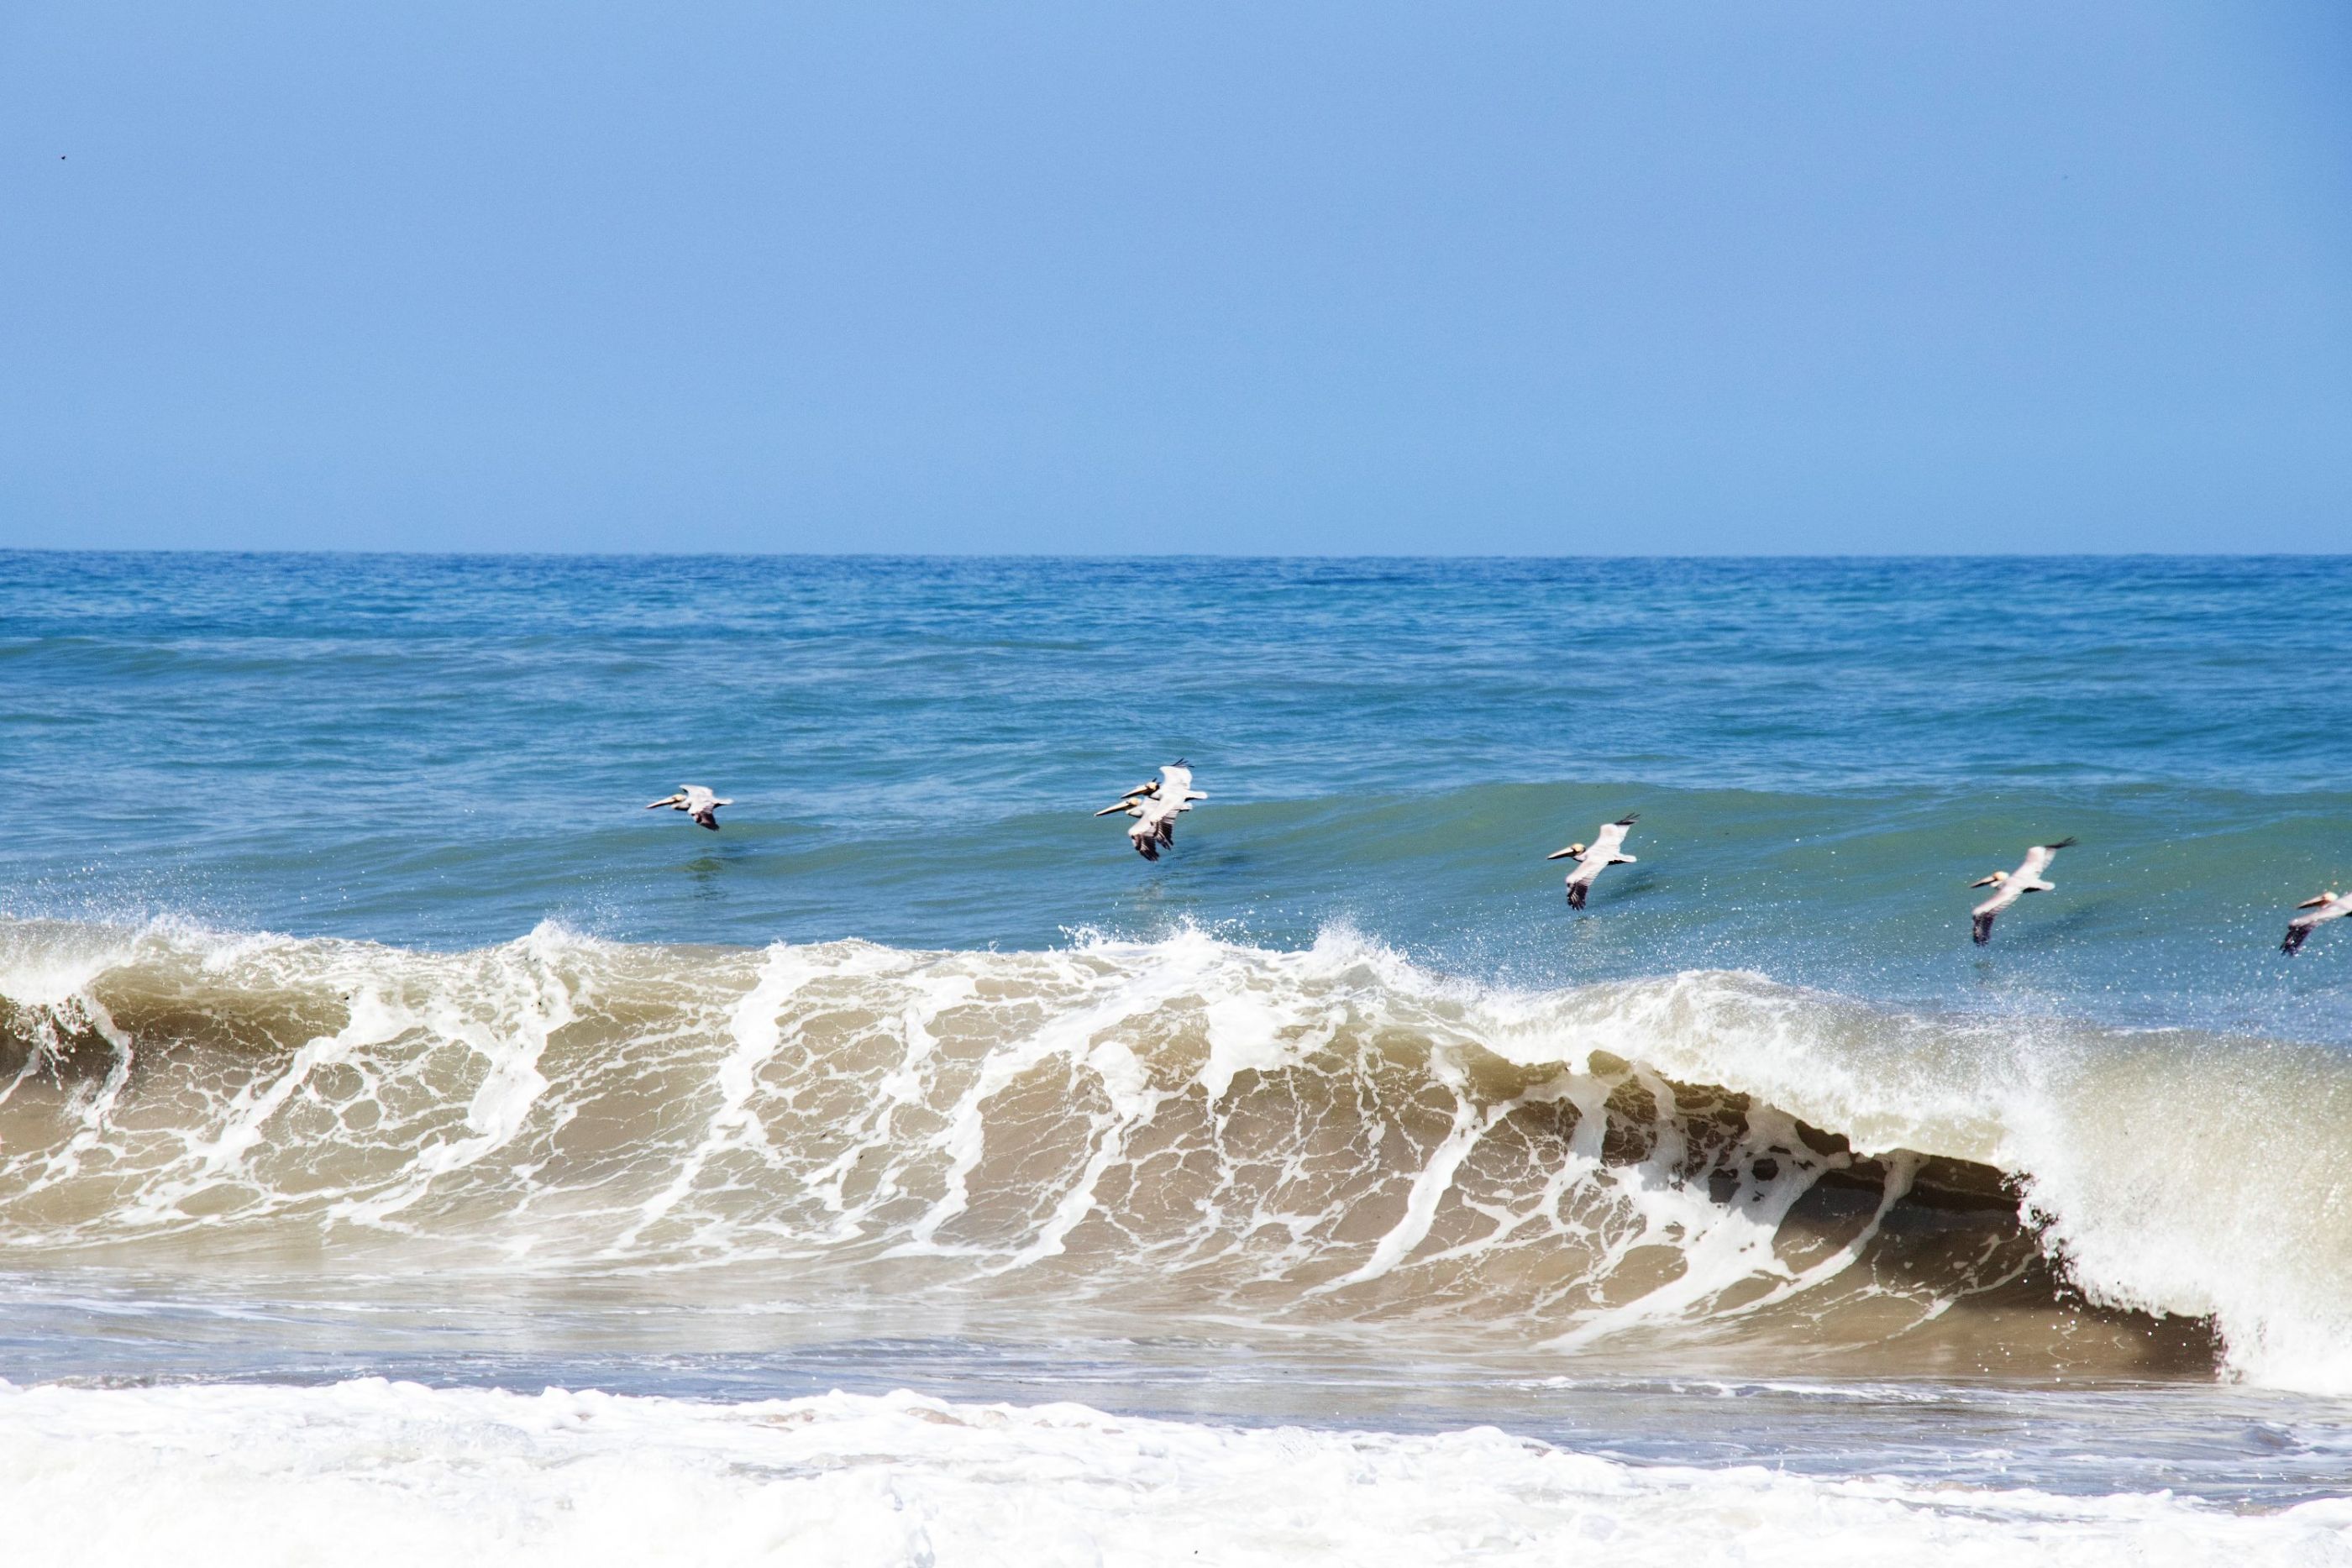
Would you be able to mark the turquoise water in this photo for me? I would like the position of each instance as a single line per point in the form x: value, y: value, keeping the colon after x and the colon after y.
x: 445, y: 752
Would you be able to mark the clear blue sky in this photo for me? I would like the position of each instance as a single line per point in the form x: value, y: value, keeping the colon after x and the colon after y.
x: 1522, y: 279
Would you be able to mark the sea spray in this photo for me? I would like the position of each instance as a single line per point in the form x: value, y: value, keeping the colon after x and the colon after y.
x: 1199, y: 1131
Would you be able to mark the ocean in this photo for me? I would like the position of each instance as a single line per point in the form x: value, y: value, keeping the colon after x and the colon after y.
x: 410, y: 1144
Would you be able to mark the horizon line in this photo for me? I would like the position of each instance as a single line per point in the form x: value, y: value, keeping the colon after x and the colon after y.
x: 1227, y: 556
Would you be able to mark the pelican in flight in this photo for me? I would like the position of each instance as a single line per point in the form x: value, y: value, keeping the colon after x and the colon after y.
x: 2327, y: 906
x: 1591, y: 860
x: 1155, y: 804
x: 696, y: 802
x: 2012, y: 886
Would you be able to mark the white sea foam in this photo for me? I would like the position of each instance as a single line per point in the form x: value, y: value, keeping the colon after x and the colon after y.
x: 372, y: 1472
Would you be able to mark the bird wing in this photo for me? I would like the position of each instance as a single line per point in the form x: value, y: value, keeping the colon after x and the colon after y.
x: 1611, y: 835
x: 2039, y: 857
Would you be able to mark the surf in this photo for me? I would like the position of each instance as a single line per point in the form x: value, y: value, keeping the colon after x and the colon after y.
x: 1193, y: 1134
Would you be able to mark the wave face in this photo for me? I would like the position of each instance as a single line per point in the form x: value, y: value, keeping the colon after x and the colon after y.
x: 1187, y: 1133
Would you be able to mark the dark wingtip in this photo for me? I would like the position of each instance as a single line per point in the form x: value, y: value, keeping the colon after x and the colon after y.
x: 2065, y: 844
x: 2295, y: 938
x: 1628, y: 818
x: 1982, y: 931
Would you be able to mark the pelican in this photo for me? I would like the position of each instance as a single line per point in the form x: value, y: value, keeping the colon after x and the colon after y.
x: 1591, y: 860
x: 1155, y: 804
x: 2327, y: 906
x: 696, y: 802
x: 2014, y: 886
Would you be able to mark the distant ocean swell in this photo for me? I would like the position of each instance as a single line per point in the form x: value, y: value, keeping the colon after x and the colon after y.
x: 1704, y: 1167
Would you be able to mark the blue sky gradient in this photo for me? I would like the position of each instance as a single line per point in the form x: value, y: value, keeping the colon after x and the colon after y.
x: 1513, y: 279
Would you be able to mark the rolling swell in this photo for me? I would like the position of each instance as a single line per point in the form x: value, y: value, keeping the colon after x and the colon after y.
x: 1189, y: 1134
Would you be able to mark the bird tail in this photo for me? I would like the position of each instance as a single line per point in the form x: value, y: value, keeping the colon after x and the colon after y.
x: 1576, y: 891
x: 1982, y: 930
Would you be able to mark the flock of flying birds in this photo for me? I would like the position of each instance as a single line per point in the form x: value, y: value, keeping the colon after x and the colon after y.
x: 1156, y: 803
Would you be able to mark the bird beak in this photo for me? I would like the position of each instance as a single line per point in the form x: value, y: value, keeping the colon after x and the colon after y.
x: 1563, y: 854
x: 1106, y: 811
x: 657, y: 805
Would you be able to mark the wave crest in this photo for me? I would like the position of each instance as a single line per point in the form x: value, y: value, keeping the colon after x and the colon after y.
x: 1703, y: 1164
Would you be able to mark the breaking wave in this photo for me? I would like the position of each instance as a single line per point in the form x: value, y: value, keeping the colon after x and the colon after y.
x: 1191, y: 1135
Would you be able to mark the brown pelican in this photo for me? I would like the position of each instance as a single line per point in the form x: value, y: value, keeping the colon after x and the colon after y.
x: 1591, y: 860
x: 2014, y: 886
x: 696, y: 802
x: 1155, y: 805
x: 2326, y: 907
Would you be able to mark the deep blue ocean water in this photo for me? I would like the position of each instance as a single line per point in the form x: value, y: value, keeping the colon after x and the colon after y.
x: 444, y: 752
